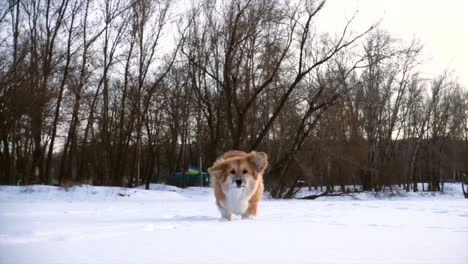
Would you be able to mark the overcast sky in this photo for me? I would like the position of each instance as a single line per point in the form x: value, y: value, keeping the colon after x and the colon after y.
x: 442, y: 26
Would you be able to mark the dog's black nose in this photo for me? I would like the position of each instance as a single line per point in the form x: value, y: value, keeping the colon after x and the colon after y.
x: 239, y: 182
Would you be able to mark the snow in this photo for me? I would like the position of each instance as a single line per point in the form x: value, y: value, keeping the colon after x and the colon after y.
x: 43, y: 224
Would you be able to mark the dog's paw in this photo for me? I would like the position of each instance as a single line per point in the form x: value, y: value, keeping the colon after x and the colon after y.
x: 248, y: 217
x: 226, y: 215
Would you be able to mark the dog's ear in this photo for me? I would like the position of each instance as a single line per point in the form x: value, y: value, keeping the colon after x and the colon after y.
x: 217, y: 169
x: 259, y: 160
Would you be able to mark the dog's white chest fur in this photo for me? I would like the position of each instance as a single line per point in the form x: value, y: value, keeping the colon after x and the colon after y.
x: 237, y: 201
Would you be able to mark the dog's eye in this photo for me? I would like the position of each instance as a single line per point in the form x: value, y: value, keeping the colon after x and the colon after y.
x: 245, y: 171
x: 233, y: 172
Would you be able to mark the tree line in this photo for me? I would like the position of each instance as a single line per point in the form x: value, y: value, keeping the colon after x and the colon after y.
x: 115, y: 92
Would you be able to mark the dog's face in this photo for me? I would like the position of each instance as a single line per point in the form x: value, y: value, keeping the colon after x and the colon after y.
x: 239, y: 171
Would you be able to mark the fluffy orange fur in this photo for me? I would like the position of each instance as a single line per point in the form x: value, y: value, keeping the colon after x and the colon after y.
x: 248, y: 167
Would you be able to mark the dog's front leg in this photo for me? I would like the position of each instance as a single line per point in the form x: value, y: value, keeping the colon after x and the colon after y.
x: 251, y: 211
x: 225, y: 213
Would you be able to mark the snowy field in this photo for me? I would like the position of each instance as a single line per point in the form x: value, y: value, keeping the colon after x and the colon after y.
x: 43, y: 224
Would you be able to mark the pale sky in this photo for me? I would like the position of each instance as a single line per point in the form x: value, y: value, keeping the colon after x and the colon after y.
x: 441, y: 26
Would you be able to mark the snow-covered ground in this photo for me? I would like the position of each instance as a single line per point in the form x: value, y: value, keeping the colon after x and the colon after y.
x: 43, y: 224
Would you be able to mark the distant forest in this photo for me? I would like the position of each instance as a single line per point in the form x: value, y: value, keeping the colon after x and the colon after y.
x: 115, y: 92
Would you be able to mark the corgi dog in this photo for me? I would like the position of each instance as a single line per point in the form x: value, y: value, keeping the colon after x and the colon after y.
x: 237, y: 180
